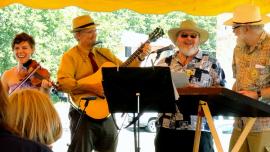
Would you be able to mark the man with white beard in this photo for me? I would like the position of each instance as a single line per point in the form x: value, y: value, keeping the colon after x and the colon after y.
x: 251, y: 70
x: 176, y: 131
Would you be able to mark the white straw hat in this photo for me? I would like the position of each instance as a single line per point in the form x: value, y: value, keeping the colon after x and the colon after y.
x: 188, y: 25
x: 247, y: 14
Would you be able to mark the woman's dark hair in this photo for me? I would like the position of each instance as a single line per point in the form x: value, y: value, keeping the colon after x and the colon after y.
x: 23, y: 37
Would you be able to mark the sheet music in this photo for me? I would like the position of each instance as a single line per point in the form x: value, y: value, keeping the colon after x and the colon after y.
x: 179, y: 80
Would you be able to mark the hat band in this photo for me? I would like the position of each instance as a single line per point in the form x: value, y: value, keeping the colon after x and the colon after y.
x: 86, y: 25
x: 248, y: 22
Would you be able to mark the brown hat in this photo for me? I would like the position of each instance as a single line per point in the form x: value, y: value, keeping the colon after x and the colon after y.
x: 82, y: 22
x: 188, y: 25
x: 247, y: 14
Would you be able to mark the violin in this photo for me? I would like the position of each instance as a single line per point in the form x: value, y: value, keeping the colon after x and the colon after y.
x: 36, y: 73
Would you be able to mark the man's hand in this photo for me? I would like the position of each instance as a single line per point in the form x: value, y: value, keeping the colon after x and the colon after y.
x: 146, y: 48
x: 145, y: 51
x: 251, y: 94
x: 193, y: 85
x: 94, y: 88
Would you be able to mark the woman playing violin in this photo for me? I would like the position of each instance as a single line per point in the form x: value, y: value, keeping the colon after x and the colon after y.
x: 23, y: 46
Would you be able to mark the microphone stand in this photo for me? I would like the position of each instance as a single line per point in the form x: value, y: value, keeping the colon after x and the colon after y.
x: 158, y: 55
x: 70, y: 148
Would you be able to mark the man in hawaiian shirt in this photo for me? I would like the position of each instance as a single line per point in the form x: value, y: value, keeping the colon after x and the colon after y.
x: 175, y: 131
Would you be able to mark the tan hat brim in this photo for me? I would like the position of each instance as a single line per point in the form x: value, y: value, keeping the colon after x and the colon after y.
x: 174, y: 31
x: 265, y: 19
x: 88, y: 27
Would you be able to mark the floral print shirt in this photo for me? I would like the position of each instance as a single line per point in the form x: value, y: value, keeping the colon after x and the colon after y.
x: 201, y: 70
x: 251, y: 69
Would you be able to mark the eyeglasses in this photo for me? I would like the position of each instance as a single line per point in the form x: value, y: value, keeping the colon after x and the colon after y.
x: 192, y: 35
x: 89, y: 31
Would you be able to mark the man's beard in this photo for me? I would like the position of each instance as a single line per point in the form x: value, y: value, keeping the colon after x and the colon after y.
x: 240, y: 42
x: 189, y: 52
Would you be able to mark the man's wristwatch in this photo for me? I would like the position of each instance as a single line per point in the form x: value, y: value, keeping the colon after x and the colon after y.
x: 259, y: 94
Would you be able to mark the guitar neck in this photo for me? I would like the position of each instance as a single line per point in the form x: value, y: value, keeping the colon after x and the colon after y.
x: 134, y: 55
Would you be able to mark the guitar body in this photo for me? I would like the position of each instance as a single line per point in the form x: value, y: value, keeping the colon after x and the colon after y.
x: 96, y: 109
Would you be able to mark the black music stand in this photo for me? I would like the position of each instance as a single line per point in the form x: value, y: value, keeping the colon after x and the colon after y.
x: 221, y: 101
x: 137, y: 90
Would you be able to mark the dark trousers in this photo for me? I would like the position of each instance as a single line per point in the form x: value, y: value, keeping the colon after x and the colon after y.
x: 170, y: 140
x: 92, y: 134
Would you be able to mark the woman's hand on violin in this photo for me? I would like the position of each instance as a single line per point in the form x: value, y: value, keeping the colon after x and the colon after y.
x: 46, y: 84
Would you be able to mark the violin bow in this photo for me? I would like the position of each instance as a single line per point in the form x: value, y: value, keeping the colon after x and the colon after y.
x: 25, y: 79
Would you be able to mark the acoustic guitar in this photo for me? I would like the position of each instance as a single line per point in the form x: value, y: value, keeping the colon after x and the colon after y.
x: 98, y: 108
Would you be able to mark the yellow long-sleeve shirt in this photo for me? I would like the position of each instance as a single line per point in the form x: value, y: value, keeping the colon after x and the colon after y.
x: 75, y: 73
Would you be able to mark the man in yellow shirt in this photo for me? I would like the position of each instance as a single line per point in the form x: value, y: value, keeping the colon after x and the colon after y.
x: 75, y: 76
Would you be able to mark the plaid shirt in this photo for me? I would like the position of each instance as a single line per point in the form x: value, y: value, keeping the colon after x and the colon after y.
x: 202, y: 71
x: 251, y: 69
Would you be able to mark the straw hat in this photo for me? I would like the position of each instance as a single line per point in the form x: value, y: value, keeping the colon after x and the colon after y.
x: 82, y: 22
x: 188, y: 25
x: 247, y: 14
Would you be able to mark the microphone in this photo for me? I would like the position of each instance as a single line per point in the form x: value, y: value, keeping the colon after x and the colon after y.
x: 169, y: 47
x: 97, y: 42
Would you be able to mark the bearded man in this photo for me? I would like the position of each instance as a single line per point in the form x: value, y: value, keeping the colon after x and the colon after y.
x: 251, y: 62
x: 177, y: 130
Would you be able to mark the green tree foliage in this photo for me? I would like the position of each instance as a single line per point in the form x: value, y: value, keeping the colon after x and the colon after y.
x: 51, y: 30
x: 112, y: 25
x: 51, y: 36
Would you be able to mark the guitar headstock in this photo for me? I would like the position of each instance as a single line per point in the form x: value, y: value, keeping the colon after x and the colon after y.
x: 157, y: 33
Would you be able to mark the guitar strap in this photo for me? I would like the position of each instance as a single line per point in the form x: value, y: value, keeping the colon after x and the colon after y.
x: 103, y: 55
